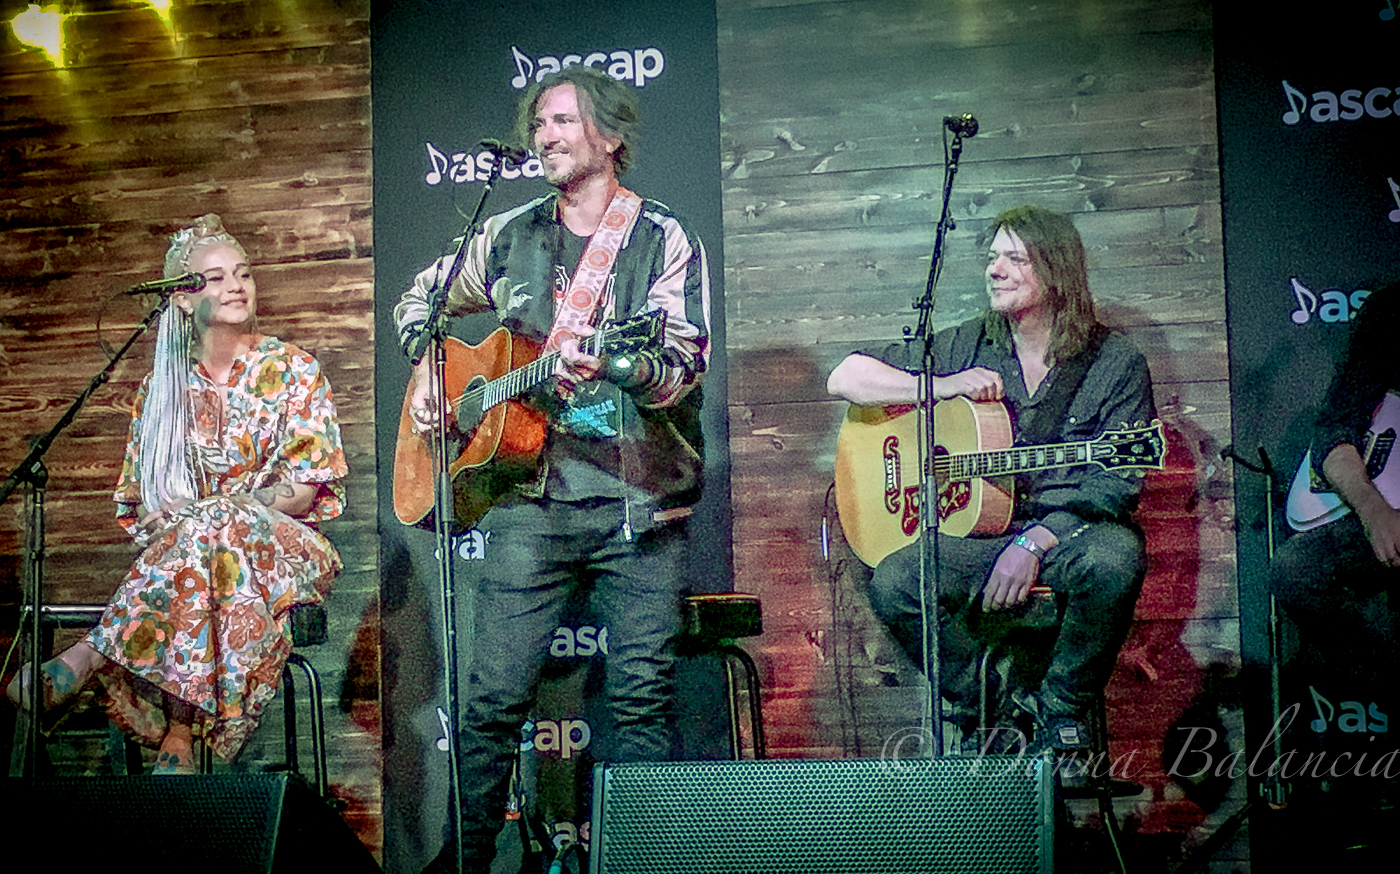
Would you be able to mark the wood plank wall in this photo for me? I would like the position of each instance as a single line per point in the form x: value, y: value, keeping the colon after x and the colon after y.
x: 833, y: 164
x: 833, y: 169
x: 254, y: 109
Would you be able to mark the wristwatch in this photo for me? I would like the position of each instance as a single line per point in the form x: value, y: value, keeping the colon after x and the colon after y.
x: 1030, y: 546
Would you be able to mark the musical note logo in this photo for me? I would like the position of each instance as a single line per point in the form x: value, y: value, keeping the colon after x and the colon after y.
x: 1388, y: 12
x: 1297, y: 102
x: 439, y: 162
x: 524, y: 69
x: 1307, y: 301
x: 444, y: 743
x: 1320, y: 724
x: 1395, y: 193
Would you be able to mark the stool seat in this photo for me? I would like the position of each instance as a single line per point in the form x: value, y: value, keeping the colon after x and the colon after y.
x: 722, y: 616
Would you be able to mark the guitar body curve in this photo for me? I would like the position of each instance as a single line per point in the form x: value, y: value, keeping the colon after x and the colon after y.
x: 1310, y: 504
x: 1307, y: 508
x: 500, y: 452
x: 877, y: 475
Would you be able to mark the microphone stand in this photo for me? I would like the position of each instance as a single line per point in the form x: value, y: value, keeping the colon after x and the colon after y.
x: 928, y: 446
x: 1273, y: 791
x: 429, y: 342
x: 33, y: 472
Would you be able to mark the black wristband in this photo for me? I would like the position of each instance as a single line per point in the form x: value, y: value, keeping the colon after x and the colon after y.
x: 630, y: 371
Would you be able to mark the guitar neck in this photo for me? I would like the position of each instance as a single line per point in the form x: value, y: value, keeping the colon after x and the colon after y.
x: 522, y: 379
x: 518, y: 381
x: 1017, y: 459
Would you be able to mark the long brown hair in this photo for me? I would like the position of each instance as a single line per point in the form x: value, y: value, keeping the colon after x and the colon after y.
x: 1057, y: 257
x: 611, y: 105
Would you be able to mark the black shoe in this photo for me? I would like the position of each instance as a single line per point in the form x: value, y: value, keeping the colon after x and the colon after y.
x: 1057, y: 726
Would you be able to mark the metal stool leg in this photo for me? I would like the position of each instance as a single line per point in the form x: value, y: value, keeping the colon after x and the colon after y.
x: 318, y: 726
x: 733, y: 653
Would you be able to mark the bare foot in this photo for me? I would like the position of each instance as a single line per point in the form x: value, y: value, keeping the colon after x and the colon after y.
x: 176, y: 754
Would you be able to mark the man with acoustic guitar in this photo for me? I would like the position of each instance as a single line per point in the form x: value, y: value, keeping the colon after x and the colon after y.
x: 1040, y: 351
x: 602, y: 508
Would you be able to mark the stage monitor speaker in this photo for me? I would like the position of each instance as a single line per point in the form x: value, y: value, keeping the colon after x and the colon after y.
x: 992, y: 814
x: 218, y: 822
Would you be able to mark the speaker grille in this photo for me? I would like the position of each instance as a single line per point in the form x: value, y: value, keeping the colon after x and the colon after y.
x: 963, y: 815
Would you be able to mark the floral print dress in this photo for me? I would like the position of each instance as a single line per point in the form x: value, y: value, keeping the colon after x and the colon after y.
x: 203, y: 614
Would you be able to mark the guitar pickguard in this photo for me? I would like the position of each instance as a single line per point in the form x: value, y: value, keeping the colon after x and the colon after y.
x: 909, y: 523
x: 954, y: 497
x: 1380, y: 453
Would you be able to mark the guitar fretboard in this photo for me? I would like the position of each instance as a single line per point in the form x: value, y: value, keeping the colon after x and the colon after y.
x: 522, y: 379
x: 1017, y: 459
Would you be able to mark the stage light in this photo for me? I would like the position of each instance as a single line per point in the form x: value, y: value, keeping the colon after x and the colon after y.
x: 162, y: 11
x: 41, y: 29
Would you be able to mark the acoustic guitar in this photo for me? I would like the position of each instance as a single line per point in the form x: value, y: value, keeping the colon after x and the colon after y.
x: 877, y: 470
x: 1310, y: 503
x: 494, y: 440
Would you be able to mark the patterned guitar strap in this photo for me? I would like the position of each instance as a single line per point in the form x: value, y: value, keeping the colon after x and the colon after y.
x: 592, y: 410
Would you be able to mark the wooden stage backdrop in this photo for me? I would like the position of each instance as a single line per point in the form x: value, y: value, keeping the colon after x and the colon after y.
x: 833, y: 164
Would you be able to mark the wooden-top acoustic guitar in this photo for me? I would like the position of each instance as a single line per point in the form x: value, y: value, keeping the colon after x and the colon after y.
x: 494, y: 439
x: 877, y: 469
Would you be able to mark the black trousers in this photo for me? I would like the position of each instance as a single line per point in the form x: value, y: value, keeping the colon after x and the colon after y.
x: 1100, y: 571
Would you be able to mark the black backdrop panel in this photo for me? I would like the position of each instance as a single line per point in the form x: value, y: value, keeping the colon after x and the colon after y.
x: 447, y: 74
x: 1310, y: 160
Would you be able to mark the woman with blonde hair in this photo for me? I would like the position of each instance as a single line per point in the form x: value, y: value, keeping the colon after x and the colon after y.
x: 233, y: 457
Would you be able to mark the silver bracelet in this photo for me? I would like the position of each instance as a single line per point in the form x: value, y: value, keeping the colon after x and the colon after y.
x: 1030, y: 546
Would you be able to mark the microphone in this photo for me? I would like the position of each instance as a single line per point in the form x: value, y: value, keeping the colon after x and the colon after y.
x: 501, y: 150
x: 188, y: 282
x: 962, y: 125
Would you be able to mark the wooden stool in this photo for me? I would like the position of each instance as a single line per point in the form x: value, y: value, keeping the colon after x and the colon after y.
x: 711, y: 624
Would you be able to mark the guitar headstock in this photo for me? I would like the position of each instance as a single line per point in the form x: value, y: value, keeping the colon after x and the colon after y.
x: 642, y: 331
x: 1139, y: 447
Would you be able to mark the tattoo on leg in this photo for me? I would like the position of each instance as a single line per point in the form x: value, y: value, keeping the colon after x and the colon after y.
x: 61, y: 677
x: 269, y: 495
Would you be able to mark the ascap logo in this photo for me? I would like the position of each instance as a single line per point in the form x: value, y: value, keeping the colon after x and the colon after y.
x: 475, y: 166
x: 1350, y: 716
x: 564, y: 833
x: 565, y: 737
x: 1331, y: 306
x: 580, y: 642
x: 1349, y: 105
x: 471, y: 544
x: 638, y: 65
